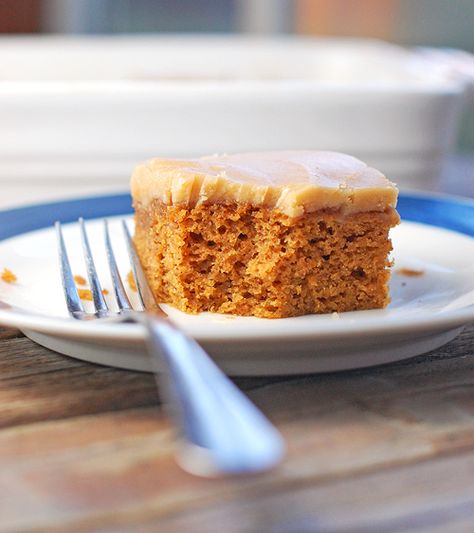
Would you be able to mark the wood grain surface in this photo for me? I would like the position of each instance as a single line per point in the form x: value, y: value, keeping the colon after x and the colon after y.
x: 87, y: 448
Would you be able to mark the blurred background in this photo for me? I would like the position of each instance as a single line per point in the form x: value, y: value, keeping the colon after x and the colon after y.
x: 447, y: 23
x: 56, y: 122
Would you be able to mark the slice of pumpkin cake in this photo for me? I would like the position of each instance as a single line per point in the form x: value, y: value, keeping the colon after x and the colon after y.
x: 273, y: 234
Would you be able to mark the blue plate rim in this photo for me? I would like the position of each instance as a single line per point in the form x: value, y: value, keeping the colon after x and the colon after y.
x: 455, y: 213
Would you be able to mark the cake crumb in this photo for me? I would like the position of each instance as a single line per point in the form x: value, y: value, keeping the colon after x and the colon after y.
x: 335, y: 316
x: 80, y: 280
x: 8, y: 276
x: 409, y: 272
x: 131, y: 281
x: 86, y: 294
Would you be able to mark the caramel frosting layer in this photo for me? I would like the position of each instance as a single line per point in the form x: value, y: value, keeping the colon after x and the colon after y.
x: 293, y: 182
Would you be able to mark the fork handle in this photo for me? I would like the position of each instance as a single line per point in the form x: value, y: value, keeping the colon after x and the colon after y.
x: 223, y: 432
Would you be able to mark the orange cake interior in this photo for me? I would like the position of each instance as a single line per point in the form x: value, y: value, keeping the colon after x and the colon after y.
x: 272, y: 235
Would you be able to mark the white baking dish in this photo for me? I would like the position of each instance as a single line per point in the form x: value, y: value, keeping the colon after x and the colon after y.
x: 89, y: 108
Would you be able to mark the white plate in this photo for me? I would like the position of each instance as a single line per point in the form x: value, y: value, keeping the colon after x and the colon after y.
x: 425, y: 313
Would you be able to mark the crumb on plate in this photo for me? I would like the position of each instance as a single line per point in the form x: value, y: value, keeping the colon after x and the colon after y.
x: 8, y: 276
x: 409, y: 272
x: 86, y: 294
x: 131, y: 281
x: 80, y: 280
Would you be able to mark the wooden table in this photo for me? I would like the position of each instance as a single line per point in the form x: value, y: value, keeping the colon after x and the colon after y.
x: 88, y: 448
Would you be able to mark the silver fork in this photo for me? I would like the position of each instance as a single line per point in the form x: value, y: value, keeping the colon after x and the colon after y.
x: 221, y: 431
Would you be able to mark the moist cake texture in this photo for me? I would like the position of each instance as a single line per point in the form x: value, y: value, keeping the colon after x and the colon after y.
x: 273, y: 234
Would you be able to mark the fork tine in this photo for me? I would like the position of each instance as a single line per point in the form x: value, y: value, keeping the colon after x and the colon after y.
x: 96, y: 289
x: 132, y: 255
x: 122, y: 299
x: 73, y: 302
x: 147, y: 299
